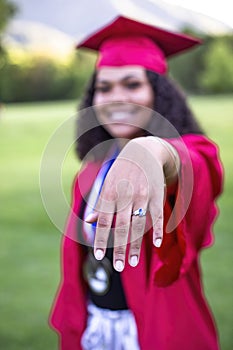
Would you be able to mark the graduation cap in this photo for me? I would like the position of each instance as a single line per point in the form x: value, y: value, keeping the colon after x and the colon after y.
x: 126, y: 41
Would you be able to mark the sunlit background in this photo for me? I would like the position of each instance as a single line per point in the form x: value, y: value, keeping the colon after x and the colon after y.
x: 42, y: 78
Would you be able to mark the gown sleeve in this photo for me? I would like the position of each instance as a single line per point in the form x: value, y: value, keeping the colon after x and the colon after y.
x: 189, y: 221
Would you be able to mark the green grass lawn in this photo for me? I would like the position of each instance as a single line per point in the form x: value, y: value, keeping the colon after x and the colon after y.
x: 29, y: 241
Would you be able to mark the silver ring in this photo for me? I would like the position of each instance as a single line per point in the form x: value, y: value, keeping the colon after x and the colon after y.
x: 139, y: 212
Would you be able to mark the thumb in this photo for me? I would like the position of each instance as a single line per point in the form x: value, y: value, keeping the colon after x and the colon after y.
x: 92, y: 217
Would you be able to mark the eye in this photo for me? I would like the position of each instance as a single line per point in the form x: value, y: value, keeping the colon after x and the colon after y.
x: 133, y: 85
x: 102, y: 88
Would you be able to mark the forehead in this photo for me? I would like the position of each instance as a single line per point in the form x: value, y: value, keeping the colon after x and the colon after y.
x: 119, y: 73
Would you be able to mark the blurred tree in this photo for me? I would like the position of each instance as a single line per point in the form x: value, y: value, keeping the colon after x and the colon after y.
x: 207, y: 68
x: 43, y: 78
x: 186, y: 67
x: 217, y: 77
x: 7, y: 10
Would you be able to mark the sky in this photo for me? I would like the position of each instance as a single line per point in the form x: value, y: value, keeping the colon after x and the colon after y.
x: 219, y: 9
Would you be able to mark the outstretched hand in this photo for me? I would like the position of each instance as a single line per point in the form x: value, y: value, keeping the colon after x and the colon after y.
x: 133, y: 189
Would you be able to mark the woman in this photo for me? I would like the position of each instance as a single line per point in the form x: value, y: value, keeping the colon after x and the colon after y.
x: 143, y: 206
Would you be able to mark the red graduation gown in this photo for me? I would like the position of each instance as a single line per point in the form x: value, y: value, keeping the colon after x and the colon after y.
x: 164, y: 291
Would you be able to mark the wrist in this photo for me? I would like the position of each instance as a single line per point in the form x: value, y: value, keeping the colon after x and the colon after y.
x: 164, y: 153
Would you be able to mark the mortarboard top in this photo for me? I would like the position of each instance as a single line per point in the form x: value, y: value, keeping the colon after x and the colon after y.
x: 128, y: 42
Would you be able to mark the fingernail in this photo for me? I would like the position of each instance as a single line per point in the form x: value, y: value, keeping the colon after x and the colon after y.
x: 119, y: 266
x: 158, y: 242
x: 99, y: 254
x: 133, y: 261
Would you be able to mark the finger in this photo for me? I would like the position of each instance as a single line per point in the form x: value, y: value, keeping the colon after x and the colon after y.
x: 105, y: 207
x: 156, y: 212
x: 105, y: 212
x: 136, y: 237
x: 103, y: 227
x: 121, y: 233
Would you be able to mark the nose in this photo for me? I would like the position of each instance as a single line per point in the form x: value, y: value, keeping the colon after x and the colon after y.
x: 118, y: 94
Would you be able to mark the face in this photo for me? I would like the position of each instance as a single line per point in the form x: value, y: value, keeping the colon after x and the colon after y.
x: 123, y: 100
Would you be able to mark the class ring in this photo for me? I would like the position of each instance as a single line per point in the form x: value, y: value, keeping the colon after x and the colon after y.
x: 139, y: 212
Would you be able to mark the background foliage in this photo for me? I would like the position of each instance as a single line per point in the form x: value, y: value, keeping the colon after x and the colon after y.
x: 27, y: 76
x: 7, y: 10
x: 32, y: 77
x: 207, y: 68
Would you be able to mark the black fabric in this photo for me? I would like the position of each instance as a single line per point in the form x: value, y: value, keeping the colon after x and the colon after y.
x: 114, y: 299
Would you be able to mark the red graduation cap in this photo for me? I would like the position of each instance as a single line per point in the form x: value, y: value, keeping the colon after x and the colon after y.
x: 128, y: 42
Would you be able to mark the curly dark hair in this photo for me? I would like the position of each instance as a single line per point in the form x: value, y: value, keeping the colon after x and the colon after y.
x: 170, y: 102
